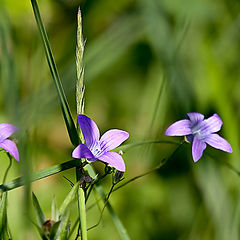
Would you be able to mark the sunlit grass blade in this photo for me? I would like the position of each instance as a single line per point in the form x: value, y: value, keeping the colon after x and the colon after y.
x: 18, y: 182
x: 68, y: 200
x: 121, y: 229
x: 38, y: 211
x: 54, y: 210
x: 63, y: 101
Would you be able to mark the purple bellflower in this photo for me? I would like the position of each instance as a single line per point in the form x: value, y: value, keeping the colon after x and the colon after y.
x: 199, y: 132
x: 96, y: 148
x: 6, y: 130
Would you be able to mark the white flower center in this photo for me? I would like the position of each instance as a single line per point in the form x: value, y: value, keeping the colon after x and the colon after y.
x: 96, y: 149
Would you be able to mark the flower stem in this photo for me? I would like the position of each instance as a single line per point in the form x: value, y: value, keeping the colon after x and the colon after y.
x: 82, y: 213
x: 7, y: 170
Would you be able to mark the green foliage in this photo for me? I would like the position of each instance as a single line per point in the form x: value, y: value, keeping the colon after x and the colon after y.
x: 4, y: 234
x: 147, y: 63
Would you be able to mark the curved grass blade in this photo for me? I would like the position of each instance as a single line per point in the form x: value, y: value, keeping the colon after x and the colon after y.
x: 63, y: 101
x: 18, y: 182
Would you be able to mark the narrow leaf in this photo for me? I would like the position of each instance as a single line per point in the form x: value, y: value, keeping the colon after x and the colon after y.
x: 51, y: 63
x: 68, y: 200
x: 3, y: 218
x: 54, y: 230
x: 54, y: 209
x: 38, y: 211
x: 18, y: 182
x: 63, y: 228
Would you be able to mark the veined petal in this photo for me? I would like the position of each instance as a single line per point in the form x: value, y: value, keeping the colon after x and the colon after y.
x: 10, y: 147
x: 81, y: 151
x: 195, y: 117
x: 6, y: 130
x: 114, y: 159
x: 211, y: 125
x: 112, y: 139
x: 218, y: 142
x: 179, y: 128
x: 197, y: 148
x: 89, y: 129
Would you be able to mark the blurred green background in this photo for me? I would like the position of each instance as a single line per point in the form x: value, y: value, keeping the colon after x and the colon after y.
x: 147, y: 63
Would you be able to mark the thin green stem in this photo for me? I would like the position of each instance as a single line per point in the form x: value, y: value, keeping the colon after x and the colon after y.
x: 105, y: 204
x: 8, y: 168
x: 82, y: 214
x: 130, y: 145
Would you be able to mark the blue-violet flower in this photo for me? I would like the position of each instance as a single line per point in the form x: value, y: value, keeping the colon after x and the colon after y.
x: 6, y: 130
x: 199, y: 132
x: 96, y: 148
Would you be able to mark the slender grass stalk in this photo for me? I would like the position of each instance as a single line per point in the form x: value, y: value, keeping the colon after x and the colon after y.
x: 82, y: 214
x: 63, y: 101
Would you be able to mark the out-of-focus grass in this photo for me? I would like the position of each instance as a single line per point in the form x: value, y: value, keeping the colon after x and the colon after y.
x: 147, y: 63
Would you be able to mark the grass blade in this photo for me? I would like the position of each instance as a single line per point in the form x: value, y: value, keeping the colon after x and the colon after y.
x: 63, y: 101
x: 3, y: 218
x: 39, y: 213
x: 70, y: 197
x: 18, y: 182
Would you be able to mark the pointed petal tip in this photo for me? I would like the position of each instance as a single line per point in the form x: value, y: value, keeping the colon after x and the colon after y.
x: 179, y: 128
x: 114, y: 159
x: 81, y: 151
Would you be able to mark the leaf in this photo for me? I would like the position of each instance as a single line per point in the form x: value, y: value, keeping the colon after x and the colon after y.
x: 53, y: 68
x: 3, y: 218
x: 69, y: 199
x: 63, y: 230
x: 54, y: 230
x: 54, y: 209
x: 38, y: 211
x: 40, y: 174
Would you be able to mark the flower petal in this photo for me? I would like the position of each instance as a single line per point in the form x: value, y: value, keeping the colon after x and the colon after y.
x: 179, y: 128
x: 218, y: 142
x: 197, y: 148
x: 10, y: 147
x: 114, y: 159
x: 89, y: 129
x: 6, y: 130
x: 211, y: 125
x: 112, y: 139
x: 195, y: 117
x: 81, y: 151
